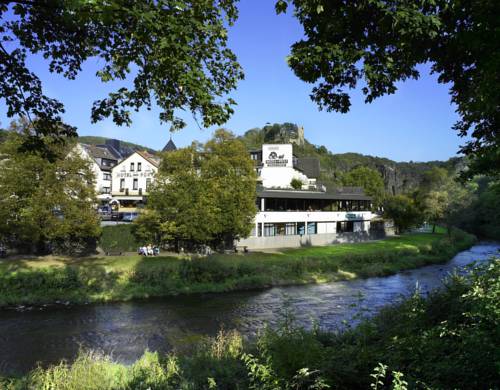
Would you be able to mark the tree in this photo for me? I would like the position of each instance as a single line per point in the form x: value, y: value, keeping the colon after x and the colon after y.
x: 382, y: 42
x: 403, y: 211
x: 296, y: 184
x: 432, y: 196
x: 203, y: 194
x: 370, y: 180
x: 435, y: 205
x: 459, y: 200
x: 46, y: 204
x: 175, y: 51
x: 231, y: 178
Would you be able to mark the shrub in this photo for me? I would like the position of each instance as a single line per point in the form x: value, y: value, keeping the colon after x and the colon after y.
x: 118, y: 238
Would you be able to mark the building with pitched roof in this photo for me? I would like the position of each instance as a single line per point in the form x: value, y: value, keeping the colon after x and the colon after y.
x: 102, y: 162
x: 131, y: 179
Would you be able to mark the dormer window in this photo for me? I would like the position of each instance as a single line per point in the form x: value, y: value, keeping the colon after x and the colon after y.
x: 132, y: 167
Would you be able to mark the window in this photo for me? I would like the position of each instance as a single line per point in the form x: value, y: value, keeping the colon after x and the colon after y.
x: 345, y: 227
x: 139, y: 167
x: 106, y: 190
x: 312, y: 228
x: 269, y: 230
x: 301, y: 228
x: 132, y: 167
x: 135, y: 184
x: 106, y: 176
x: 290, y: 229
x: 148, y: 183
x: 122, y: 184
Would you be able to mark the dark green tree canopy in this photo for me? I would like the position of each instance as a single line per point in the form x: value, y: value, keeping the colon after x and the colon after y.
x: 369, y: 179
x: 381, y: 42
x: 175, y: 52
x: 203, y: 194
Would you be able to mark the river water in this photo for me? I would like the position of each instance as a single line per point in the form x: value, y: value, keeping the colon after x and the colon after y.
x: 125, y: 330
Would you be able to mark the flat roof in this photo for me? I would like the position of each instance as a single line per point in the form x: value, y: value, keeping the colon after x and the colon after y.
x: 284, y: 194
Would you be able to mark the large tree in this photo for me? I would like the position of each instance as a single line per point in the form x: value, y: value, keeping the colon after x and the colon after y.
x: 169, y: 53
x: 369, y: 179
x: 381, y: 42
x: 46, y: 204
x: 203, y: 194
x: 403, y: 211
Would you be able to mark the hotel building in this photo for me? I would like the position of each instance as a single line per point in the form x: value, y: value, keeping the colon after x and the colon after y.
x: 131, y: 179
x: 307, y: 215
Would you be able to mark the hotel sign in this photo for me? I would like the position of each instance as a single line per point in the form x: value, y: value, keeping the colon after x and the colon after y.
x: 277, y: 155
x: 135, y: 174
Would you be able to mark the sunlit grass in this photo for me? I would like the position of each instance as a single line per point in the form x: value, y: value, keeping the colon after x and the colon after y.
x: 110, y: 278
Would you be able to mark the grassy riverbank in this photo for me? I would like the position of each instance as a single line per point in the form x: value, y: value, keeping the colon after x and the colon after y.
x: 97, y: 279
x: 447, y: 340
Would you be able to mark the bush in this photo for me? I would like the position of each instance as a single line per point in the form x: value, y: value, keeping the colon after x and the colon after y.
x: 118, y: 238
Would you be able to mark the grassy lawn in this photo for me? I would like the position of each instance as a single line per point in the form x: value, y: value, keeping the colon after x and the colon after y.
x: 411, y: 242
x: 106, y: 278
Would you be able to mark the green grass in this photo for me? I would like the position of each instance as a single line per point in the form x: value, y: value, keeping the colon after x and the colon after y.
x: 114, y: 278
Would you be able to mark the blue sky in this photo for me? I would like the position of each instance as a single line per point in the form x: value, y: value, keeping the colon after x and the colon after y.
x: 413, y: 124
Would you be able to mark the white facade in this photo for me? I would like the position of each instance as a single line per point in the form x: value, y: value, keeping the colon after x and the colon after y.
x: 132, y: 176
x: 102, y: 176
x: 277, y: 167
x: 308, y: 216
x: 281, y: 229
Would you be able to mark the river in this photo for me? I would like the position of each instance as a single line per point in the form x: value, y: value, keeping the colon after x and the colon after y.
x: 125, y: 330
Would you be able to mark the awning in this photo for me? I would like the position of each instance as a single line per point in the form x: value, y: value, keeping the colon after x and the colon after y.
x: 284, y: 194
x: 128, y: 197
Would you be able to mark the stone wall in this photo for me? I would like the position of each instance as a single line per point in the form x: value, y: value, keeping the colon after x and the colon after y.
x: 275, y: 242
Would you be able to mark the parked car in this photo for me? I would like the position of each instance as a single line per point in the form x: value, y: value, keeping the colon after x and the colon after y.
x: 129, y: 217
x: 104, y: 209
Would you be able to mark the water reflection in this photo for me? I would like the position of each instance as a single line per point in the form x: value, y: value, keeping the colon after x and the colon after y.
x: 125, y: 330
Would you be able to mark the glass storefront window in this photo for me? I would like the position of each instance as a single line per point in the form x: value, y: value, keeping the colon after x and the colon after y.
x: 312, y: 228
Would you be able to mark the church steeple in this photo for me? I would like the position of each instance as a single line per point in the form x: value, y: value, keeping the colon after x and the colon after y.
x: 170, y: 146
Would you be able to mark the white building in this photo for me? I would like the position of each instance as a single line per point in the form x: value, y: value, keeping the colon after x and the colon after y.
x: 308, y: 216
x: 102, y: 161
x: 132, y: 177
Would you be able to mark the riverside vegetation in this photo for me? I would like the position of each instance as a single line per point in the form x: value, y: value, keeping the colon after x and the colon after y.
x: 447, y: 340
x: 113, y: 278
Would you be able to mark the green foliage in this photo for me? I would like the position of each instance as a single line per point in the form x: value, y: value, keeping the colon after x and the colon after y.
x: 403, y: 211
x: 480, y: 213
x: 382, y: 42
x: 203, y: 194
x: 119, y: 238
x: 46, y: 203
x: 175, y: 51
x: 370, y: 180
x: 296, y: 184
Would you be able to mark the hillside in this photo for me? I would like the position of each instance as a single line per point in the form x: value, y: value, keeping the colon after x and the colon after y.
x: 399, y: 177
x: 94, y: 140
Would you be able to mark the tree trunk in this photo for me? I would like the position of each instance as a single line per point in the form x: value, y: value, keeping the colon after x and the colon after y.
x: 433, y: 228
